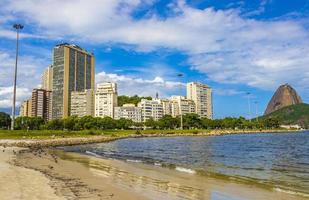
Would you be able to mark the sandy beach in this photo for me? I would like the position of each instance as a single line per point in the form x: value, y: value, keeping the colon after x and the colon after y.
x: 21, y: 183
x: 54, y: 174
x: 37, y: 174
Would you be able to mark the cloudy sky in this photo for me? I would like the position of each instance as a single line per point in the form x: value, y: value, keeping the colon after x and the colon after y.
x: 234, y: 46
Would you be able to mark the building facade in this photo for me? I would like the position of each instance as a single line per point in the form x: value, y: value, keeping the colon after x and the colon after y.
x: 128, y: 111
x: 202, y: 96
x: 166, y: 106
x: 180, y: 106
x: 40, y: 103
x: 26, y: 108
x: 106, y: 99
x: 82, y: 103
x: 151, y: 109
x: 47, y: 78
x: 73, y: 70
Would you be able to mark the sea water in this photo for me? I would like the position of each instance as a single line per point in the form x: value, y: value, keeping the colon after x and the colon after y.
x: 276, y: 160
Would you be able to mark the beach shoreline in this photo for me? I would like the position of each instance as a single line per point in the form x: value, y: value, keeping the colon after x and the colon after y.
x: 78, y: 176
x: 66, y: 175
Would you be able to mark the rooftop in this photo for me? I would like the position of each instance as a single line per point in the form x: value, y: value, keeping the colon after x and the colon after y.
x: 74, y: 46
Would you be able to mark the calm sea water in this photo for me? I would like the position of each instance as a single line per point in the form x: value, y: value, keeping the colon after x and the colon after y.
x: 274, y: 160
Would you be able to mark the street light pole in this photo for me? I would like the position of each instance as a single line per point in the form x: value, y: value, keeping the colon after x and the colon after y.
x: 256, y: 111
x: 249, y: 106
x: 18, y: 27
x: 180, y: 111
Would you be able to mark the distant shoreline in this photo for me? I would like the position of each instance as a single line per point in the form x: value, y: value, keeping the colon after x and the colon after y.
x: 67, y: 141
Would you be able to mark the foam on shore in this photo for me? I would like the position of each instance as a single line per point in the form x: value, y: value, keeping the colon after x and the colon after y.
x: 186, y: 170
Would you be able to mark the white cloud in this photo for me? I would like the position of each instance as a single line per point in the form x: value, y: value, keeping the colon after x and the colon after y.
x: 144, y: 87
x: 29, y: 77
x: 228, y: 92
x: 6, y: 95
x: 223, y: 44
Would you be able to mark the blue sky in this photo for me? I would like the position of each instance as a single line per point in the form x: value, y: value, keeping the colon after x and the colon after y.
x: 234, y: 46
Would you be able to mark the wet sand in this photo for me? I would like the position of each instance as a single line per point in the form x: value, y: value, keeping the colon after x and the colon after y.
x: 21, y: 183
x: 76, y: 176
x: 35, y: 174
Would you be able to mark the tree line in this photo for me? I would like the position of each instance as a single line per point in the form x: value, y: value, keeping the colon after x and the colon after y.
x: 190, y: 121
x: 130, y: 99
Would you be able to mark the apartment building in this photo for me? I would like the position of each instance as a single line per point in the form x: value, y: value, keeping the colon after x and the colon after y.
x: 128, y: 111
x: 25, y: 108
x: 47, y: 78
x: 180, y: 105
x: 73, y: 70
x: 201, y: 94
x: 82, y: 103
x: 151, y: 109
x: 106, y: 99
x: 40, y: 103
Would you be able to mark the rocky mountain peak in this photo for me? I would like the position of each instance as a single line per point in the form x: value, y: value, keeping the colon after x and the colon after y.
x: 284, y: 96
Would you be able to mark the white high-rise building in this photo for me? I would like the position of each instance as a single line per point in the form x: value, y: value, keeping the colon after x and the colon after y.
x: 82, y: 103
x: 202, y: 96
x: 105, y: 99
x: 166, y: 106
x: 151, y: 109
x: 128, y: 111
x: 180, y: 105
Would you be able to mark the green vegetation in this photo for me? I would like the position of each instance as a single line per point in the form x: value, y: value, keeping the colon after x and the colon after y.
x: 133, y: 100
x: 48, y: 134
x: 5, y: 120
x: 167, y: 122
x: 37, y: 128
x: 291, y: 115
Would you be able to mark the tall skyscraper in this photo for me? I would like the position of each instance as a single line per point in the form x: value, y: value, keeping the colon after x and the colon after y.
x: 40, y: 102
x: 82, y: 103
x: 106, y: 98
x: 73, y: 70
x: 202, y: 96
x: 47, y: 78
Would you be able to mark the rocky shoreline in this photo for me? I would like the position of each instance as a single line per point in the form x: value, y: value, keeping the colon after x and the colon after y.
x: 53, y: 142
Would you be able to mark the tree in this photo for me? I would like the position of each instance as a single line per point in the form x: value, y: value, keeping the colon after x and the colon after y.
x: 5, y: 120
x: 271, y: 123
x: 133, y: 99
x: 168, y: 122
x: 191, y: 120
x: 207, y: 123
x: 105, y: 123
x: 151, y: 123
x: 124, y: 123
x: 29, y: 123
x: 55, y: 124
x: 88, y: 122
x: 69, y: 123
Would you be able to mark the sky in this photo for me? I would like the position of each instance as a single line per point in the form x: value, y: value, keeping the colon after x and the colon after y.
x: 235, y: 47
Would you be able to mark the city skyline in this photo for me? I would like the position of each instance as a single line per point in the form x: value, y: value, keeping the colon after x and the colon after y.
x: 151, y: 64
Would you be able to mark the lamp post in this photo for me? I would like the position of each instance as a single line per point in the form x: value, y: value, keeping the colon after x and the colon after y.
x: 18, y: 27
x: 180, y: 111
x: 256, y: 110
x: 249, y: 106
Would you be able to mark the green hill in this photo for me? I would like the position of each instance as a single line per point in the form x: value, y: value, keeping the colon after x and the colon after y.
x: 133, y: 99
x: 294, y: 114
